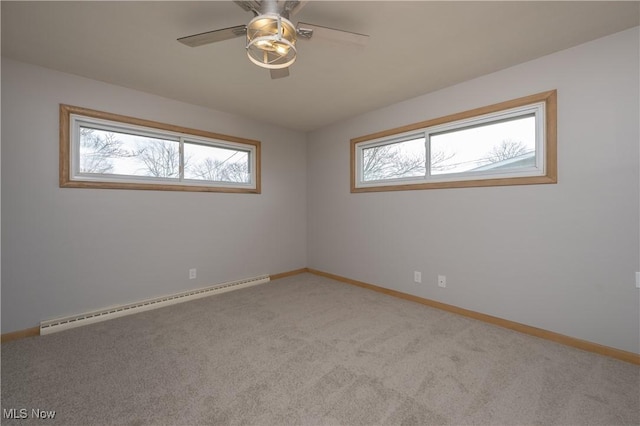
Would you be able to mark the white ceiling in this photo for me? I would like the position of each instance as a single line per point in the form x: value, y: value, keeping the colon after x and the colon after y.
x: 415, y: 47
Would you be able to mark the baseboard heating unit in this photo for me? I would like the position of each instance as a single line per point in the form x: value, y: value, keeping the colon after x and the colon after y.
x: 52, y: 326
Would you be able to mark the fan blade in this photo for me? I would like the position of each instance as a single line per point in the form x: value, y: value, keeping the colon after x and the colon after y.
x: 279, y: 73
x: 308, y: 31
x: 293, y: 7
x: 214, y: 36
x: 250, y: 6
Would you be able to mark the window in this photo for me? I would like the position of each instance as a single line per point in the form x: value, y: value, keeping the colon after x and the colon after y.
x: 511, y: 143
x: 103, y: 150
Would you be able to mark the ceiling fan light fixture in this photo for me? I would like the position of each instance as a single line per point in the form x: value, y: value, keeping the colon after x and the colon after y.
x: 271, y: 41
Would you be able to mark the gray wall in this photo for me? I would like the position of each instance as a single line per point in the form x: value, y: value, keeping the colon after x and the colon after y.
x: 560, y: 257
x: 68, y: 251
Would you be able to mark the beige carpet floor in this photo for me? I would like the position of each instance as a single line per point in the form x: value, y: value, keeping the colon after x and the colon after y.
x: 311, y: 351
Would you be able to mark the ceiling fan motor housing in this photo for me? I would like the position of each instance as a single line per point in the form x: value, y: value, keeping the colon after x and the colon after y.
x: 271, y: 41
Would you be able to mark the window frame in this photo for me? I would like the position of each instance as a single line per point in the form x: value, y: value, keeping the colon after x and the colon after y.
x: 544, y: 105
x: 70, y: 177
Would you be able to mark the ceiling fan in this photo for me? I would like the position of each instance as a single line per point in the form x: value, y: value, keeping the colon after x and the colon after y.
x: 271, y: 37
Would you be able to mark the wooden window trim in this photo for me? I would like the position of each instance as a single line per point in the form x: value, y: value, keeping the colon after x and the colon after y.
x: 550, y: 151
x: 65, y: 151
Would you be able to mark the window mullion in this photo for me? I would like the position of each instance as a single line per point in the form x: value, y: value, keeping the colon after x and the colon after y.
x: 181, y: 155
x: 427, y: 155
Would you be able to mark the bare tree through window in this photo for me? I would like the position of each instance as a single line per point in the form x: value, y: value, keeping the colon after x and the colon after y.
x: 99, y: 150
x: 219, y: 171
x: 505, y: 150
x: 390, y: 162
x: 160, y: 158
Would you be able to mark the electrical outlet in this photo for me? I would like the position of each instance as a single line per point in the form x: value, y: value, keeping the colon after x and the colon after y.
x: 193, y: 273
x: 417, y: 276
x: 442, y: 281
